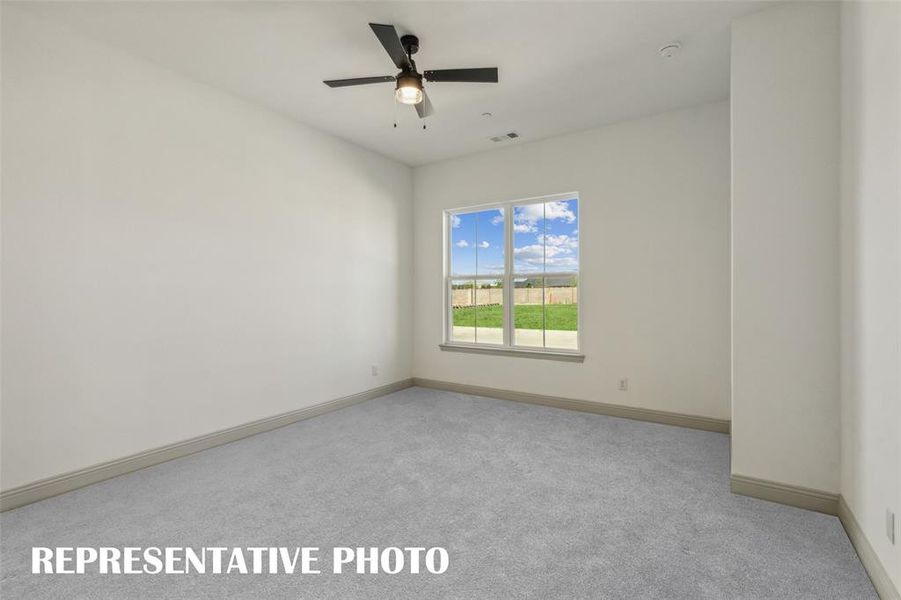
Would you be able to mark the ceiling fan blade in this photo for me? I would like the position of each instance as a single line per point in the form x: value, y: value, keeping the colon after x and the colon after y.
x: 358, y: 81
x: 424, y: 108
x: 388, y: 37
x: 487, y: 75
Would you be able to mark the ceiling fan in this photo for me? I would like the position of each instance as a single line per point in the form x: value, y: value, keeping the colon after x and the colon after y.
x: 409, y: 89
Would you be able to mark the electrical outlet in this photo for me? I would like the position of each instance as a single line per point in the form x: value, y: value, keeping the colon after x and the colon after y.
x: 375, y: 370
x: 890, y: 525
x: 624, y: 384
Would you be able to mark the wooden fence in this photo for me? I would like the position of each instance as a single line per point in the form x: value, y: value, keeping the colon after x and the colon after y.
x: 482, y: 297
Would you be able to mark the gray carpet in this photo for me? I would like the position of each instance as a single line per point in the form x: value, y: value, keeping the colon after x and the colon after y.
x: 531, y: 502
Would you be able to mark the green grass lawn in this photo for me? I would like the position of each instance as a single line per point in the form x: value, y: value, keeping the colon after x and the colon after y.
x: 560, y: 317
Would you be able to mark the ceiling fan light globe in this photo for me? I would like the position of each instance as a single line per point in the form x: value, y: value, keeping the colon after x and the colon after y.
x: 409, y: 89
x: 408, y: 95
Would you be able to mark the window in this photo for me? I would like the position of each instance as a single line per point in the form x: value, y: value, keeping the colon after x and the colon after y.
x: 512, y: 276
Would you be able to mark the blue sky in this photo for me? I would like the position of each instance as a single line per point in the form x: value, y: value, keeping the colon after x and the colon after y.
x: 545, y: 238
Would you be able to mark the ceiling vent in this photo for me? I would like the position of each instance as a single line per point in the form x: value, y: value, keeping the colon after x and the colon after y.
x: 505, y: 137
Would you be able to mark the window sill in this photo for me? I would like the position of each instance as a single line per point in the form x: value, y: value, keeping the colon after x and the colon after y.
x: 561, y: 355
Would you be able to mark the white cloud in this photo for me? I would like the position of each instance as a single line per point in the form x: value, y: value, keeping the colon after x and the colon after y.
x: 539, y: 251
x: 499, y: 218
x: 551, y: 251
x: 455, y: 221
x: 524, y: 228
x: 484, y: 245
x: 562, y: 262
x: 559, y: 210
x: 552, y: 211
x: 556, y: 263
x: 462, y: 244
x: 529, y: 251
x: 559, y: 241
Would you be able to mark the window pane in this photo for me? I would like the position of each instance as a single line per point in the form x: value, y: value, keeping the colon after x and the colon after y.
x: 546, y: 237
x: 561, y: 312
x: 463, y: 302
x: 528, y: 312
x: 561, y: 236
x: 528, y: 232
x: 463, y: 244
x: 477, y: 242
x: 489, y: 311
x: 490, y: 242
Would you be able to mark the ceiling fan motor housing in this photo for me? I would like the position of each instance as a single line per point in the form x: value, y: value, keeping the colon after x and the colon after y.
x: 409, y: 79
x: 410, y: 44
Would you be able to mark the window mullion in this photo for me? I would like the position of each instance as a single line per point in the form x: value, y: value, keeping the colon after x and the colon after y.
x: 544, y: 272
x: 509, y: 293
x: 448, y: 287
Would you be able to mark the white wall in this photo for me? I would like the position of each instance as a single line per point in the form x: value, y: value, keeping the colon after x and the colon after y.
x: 871, y: 271
x: 176, y: 260
x: 785, y: 276
x: 655, y: 269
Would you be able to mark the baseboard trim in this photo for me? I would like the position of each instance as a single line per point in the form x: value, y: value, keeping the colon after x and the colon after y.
x: 783, y: 493
x: 824, y: 502
x: 875, y: 569
x: 600, y: 408
x: 66, y: 482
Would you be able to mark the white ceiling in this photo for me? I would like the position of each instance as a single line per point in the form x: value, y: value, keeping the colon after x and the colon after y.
x: 563, y: 66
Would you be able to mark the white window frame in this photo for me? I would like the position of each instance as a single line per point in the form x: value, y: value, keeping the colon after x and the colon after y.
x: 509, y: 339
